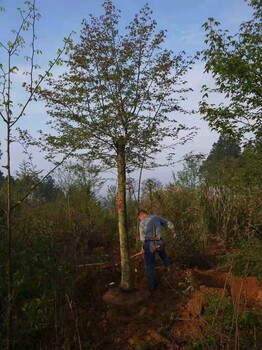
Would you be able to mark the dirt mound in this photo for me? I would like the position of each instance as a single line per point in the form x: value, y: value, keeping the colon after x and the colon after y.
x: 246, y: 291
x: 117, y: 296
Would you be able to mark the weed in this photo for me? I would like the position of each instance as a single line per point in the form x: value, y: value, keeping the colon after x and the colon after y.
x: 143, y: 345
x: 226, y: 331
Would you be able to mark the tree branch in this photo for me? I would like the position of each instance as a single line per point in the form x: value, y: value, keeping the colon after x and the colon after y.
x: 39, y: 83
x: 41, y: 180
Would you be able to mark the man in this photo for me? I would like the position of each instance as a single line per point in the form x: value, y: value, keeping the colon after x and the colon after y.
x: 150, y: 230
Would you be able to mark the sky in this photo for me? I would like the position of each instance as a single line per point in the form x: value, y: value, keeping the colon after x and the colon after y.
x: 181, y: 18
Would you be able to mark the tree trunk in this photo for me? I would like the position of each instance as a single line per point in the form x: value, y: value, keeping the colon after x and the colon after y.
x: 127, y: 277
x: 8, y: 220
x: 9, y: 260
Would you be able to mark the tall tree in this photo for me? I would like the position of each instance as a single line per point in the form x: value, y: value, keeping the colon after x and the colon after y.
x: 220, y: 162
x: 189, y: 176
x: 115, y: 100
x: 235, y: 63
x: 12, y: 111
x: 249, y: 165
x: 149, y: 188
x: 8, y: 69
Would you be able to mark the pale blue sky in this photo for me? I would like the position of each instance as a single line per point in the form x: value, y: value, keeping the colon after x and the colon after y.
x: 181, y: 18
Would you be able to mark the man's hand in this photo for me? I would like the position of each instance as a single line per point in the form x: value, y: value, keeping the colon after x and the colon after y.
x: 174, y: 234
x: 142, y: 251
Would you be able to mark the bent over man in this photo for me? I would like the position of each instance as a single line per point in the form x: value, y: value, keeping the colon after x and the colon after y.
x: 150, y: 230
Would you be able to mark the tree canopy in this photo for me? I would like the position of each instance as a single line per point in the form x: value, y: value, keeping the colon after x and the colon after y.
x: 118, y: 89
x: 235, y: 64
x: 220, y: 165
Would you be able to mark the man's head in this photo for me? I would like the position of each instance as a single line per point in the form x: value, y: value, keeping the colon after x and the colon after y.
x: 142, y: 214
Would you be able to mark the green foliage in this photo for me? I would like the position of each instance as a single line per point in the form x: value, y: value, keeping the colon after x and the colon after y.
x: 248, y: 319
x: 227, y: 167
x: 25, y: 181
x: 50, y: 235
x: 221, y: 212
x: 151, y: 192
x: 40, y: 284
x: 189, y: 177
x: 225, y: 329
x: 231, y: 197
x: 231, y: 215
x: 144, y: 345
x: 247, y: 259
x: 248, y: 171
x: 220, y: 166
x: 218, y: 313
x: 235, y: 63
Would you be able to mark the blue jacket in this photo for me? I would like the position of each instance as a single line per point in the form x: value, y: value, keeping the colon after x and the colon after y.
x: 151, y: 226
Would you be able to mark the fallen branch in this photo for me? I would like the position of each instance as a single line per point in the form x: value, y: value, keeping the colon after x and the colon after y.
x: 117, y: 264
x: 131, y: 257
x: 95, y: 264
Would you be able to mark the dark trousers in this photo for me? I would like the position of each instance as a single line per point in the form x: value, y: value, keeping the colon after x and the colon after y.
x: 149, y: 259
